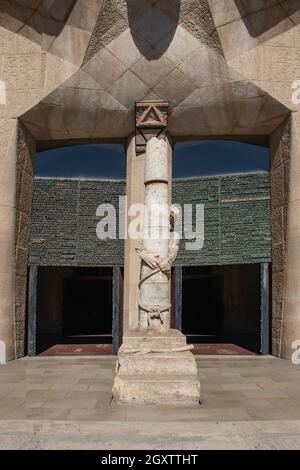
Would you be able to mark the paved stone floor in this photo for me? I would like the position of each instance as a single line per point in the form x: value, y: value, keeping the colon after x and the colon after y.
x: 60, y: 403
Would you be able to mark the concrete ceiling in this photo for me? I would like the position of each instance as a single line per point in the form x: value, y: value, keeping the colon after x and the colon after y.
x: 128, y: 50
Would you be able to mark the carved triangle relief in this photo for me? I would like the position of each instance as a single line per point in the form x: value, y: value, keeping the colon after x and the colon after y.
x: 151, y: 121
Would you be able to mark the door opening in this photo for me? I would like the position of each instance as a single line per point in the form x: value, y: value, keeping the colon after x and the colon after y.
x: 76, y: 311
x: 87, y: 308
x: 221, y: 309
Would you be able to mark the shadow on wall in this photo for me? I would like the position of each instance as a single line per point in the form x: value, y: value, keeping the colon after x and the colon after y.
x: 47, y: 17
x: 153, y: 24
x: 259, y: 19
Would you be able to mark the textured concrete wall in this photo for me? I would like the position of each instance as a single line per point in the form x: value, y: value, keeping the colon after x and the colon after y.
x: 16, y: 177
x: 274, y: 65
x: 237, y: 219
x: 27, y: 74
x: 24, y: 190
x: 8, y: 143
x: 280, y: 146
x: 64, y: 221
x: 290, y: 145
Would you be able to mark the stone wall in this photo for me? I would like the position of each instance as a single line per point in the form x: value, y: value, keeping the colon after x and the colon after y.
x: 237, y: 219
x: 280, y: 174
x: 24, y: 189
x: 64, y: 221
x: 8, y: 139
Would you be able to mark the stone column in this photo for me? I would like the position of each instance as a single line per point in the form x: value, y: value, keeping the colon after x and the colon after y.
x: 154, y: 303
x: 285, y: 191
x: 291, y: 304
x: 8, y: 140
x: 151, y: 119
x: 155, y: 364
x: 17, y: 152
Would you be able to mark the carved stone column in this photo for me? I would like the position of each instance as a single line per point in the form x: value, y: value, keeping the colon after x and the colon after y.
x: 154, y: 304
x: 151, y: 121
x: 155, y: 364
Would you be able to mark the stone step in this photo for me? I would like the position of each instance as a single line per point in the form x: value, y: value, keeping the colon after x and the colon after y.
x: 159, y: 364
x: 153, y: 390
x: 146, y: 375
x: 153, y: 378
x: 138, y: 340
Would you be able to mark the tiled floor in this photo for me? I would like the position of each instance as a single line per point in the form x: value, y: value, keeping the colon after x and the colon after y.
x: 78, y: 390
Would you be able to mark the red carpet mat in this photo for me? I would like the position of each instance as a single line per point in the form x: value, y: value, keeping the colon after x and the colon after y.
x: 78, y: 350
x: 219, y: 349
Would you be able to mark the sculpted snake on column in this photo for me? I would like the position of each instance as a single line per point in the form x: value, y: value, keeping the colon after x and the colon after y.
x: 158, y: 264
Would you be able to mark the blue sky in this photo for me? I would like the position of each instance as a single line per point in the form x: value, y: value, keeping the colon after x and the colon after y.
x: 83, y: 161
x: 209, y: 158
x: 107, y: 161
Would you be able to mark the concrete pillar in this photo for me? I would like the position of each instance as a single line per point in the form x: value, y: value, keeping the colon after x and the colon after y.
x: 135, y: 191
x: 8, y: 139
x: 17, y: 151
x: 24, y: 188
x: 291, y: 303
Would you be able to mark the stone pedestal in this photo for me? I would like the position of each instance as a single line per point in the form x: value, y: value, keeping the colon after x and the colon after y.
x: 156, y: 368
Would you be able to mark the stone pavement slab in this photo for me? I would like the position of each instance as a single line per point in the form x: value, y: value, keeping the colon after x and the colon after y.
x: 246, y: 402
x: 130, y: 435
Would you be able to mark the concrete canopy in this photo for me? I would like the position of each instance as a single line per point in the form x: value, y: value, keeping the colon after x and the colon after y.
x: 112, y: 53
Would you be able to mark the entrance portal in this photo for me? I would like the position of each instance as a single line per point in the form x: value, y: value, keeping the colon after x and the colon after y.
x: 76, y: 311
x: 221, y: 308
x: 87, y: 308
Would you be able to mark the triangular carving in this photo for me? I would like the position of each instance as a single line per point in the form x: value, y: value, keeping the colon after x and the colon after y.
x: 151, y: 121
x: 151, y: 117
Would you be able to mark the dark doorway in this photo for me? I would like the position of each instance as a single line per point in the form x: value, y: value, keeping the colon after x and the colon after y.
x: 221, y: 307
x: 202, y: 304
x: 87, y: 307
x: 76, y: 310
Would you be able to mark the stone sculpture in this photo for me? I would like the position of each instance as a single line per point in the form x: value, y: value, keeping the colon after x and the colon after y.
x: 155, y: 364
x: 160, y: 242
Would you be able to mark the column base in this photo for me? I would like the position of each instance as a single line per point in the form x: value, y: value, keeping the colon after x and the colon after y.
x: 156, y: 369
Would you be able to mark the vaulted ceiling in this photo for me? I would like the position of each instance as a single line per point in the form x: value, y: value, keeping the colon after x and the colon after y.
x: 121, y: 51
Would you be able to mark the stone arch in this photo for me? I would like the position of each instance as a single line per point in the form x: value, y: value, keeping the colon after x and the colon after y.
x: 71, y: 113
